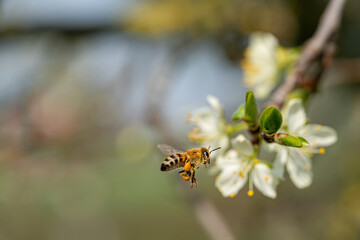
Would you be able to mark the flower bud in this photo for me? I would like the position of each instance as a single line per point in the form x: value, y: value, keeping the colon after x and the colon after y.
x: 291, y: 141
x: 239, y: 113
x: 270, y: 120
x: 251, y: 112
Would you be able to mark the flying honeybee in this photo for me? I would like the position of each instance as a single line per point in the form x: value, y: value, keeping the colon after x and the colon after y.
x: 188, y: 160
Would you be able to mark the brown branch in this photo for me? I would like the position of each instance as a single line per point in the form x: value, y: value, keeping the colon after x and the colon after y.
x: 319, y: 50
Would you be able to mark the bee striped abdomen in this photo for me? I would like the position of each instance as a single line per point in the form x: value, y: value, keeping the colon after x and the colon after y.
x: 173, y: 162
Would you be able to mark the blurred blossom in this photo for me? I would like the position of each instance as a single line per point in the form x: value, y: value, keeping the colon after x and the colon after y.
x: 260, y: 64
x: 264, y: 60
x: 239, y: 165
x: 210, y: 125
x: 298, y: 160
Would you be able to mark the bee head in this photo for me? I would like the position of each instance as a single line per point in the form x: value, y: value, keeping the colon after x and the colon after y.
x: 206, y: 154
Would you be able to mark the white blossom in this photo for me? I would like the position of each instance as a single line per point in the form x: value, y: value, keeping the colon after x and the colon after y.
x: 298, y: 160
x: 210, y: 125
x: 260, y: 64
x: 239, y: 166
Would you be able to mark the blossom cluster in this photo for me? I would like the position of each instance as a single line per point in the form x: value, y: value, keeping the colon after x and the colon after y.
x: 238, y: 163
x: 288, y: 132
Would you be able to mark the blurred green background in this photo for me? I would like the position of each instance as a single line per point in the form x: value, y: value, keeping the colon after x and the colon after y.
x: 89, y: 88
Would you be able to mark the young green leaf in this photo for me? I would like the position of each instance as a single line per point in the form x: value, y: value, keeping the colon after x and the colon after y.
x: 291, y: 141
x: 270, y: 120
x: 251, y: 112
x: 304, y: 142
x: 239, y: 113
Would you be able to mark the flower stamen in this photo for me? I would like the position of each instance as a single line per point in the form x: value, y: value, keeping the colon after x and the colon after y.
x: 250, y: 193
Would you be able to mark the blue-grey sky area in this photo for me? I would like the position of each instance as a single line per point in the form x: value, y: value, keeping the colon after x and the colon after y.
x: 69, y: 13
x: 118, y: 61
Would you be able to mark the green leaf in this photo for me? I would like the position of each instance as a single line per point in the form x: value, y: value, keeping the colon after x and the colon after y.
x: 303, y: 141
x: 251, y: 112
x: 239, y: 113
x: 270, y: 120
x: 291, y: 141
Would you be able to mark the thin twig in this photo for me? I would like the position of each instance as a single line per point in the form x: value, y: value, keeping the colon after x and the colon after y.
x: 319, y: 49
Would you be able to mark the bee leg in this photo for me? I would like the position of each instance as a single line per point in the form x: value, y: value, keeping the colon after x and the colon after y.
x: 185, y: 175
x: 193, y: 179
x: 187, y: 166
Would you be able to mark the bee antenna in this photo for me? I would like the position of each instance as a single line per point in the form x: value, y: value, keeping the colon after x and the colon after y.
x: 215, y: 149
x: 209, y: 147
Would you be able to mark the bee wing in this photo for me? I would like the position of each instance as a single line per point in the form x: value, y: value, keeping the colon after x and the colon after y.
x: 168, y: 150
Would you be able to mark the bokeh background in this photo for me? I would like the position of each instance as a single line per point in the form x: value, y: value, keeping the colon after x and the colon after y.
x: 89, y: 88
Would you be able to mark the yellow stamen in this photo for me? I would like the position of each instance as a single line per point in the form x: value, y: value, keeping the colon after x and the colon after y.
x: 235, y: 182
x: 318, y: 127
x: 215, y: 163
x: 306, y: 169
x: 322, y: 150
x: 250, y: 193
x: 241, y: 174
x: 217, y: 177
x: 234, y: 172
x: 188, y: 118
x: 256, y: 160
x: 249, y: 67
x: 232, y: 195
x: 310, y: 154
x: 266, y: 178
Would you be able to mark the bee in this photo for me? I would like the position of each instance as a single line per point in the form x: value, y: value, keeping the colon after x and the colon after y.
x: 188, y: 160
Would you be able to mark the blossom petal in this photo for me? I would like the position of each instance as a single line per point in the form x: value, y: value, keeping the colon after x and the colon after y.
x: 207, y: 120
x: 230, y: 159
x: 299, y: 168
x: 264, y: 180
x: 229, y: 182
x: 215, y: 103
x: 280, y: 162
x: 223, y: 142
x: 260, y: 64
x: 296, y: 116
x: 318, y: 136
x: 242, y: 145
